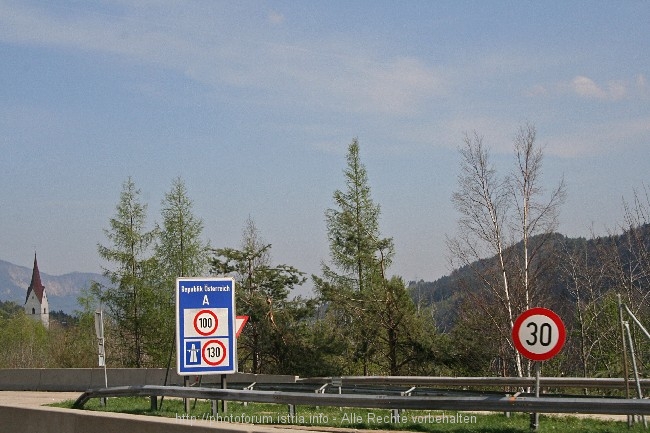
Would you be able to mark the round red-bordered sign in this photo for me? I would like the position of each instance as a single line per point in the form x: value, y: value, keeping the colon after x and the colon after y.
x: 538, y: 334
x: 205, y: 325
x: 214, y: 352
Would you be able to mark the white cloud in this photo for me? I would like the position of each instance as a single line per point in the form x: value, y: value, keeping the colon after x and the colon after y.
x: 328, y: 74
x: 587, y: 88
x: 399, y: 86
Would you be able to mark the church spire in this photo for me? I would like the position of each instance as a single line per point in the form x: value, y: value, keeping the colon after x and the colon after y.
x: 36, y: 286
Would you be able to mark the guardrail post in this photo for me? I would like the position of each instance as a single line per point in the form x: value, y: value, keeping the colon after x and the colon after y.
x: 154, y: 403
x: 406, y: 393
x: 292, y: 410
x: 337, y: 382
x: 249, y: 388
x: 321, y: 390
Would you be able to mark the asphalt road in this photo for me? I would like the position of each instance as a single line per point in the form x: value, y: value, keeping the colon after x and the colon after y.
x: 34, y: 398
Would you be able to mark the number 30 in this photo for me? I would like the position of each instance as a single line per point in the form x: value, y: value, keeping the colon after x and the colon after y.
x: 545, y: 334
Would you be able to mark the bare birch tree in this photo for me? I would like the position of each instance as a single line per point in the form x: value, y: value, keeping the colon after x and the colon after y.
x: 535, y: 218
x: 496, y: 214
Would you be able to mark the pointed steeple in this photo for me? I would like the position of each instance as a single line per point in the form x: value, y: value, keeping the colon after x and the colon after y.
x: 36, y: 286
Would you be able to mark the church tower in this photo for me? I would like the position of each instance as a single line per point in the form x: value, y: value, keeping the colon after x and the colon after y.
x: 36, y: 305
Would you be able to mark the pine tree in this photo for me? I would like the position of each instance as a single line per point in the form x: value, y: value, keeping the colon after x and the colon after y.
x: 361, y: 256
x: 353, y: 227
x: 130, y: 297
x: 179, y: 252
x: 379, y: 327
x: 271, y: 341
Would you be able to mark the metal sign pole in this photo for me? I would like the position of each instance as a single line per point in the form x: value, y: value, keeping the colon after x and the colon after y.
x: 101, y: 350
x: 224, y: 385
x: 538, y: 334
x: 186, y: 401
x: 534, y: 417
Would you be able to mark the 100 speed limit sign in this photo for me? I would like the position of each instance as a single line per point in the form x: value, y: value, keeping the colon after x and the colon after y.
x: 538, y: 334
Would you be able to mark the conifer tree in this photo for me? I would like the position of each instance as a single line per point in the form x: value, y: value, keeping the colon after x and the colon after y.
x: 179, y: 252
x: 129, y: 297
x: 353, y: 226
x: 360, y: 255
x: 271, y: 341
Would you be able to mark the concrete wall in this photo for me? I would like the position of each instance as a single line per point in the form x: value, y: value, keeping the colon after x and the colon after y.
x: 82, y: 379
x: 57, y: 420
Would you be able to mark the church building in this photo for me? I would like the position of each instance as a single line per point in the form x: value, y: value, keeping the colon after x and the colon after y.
x: 36, y: 305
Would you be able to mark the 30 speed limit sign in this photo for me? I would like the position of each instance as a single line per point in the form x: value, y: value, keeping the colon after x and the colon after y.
x: 538, y: 334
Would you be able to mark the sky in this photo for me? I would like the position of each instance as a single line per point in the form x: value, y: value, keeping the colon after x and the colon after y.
x: 254, y: 103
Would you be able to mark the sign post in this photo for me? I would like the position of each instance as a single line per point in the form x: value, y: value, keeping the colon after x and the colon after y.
x: 101, y: 351
x: 205, y: 326
x: 538, y: 334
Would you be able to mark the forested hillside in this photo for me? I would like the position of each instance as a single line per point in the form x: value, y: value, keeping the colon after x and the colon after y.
x: 581, y: 282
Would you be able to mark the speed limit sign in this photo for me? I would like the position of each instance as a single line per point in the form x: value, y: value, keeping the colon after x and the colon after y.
x: 538, y: 334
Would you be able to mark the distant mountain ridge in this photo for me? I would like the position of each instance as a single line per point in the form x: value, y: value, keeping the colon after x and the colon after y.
x: 446, y: 293
x: 62, y: 290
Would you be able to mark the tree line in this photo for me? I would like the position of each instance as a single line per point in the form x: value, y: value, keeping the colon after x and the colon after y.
x: 362, y: 320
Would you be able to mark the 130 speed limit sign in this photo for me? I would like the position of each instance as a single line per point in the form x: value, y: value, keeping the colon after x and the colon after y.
x: 538, y: 334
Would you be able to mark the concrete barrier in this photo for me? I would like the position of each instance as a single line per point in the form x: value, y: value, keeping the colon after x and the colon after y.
x: 57, y: 420
x: 82, y: 379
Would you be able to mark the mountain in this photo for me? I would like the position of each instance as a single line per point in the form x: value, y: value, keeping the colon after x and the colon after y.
x: 62, y: 290
x: 446, y: 294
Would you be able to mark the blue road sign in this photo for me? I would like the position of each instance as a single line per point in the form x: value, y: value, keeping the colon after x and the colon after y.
x: 205, y: 326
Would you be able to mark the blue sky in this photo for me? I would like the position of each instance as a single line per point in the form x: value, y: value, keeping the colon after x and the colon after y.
x: 253, y: 104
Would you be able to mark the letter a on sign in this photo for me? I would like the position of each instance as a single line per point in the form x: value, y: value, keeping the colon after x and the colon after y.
x: 205, y: 300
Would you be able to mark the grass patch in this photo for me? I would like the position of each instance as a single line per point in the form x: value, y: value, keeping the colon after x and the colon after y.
x: 371, y: 419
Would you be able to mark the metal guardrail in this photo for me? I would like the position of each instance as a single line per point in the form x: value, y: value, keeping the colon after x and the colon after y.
x: 516, y: 382
x: 609, y: 406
